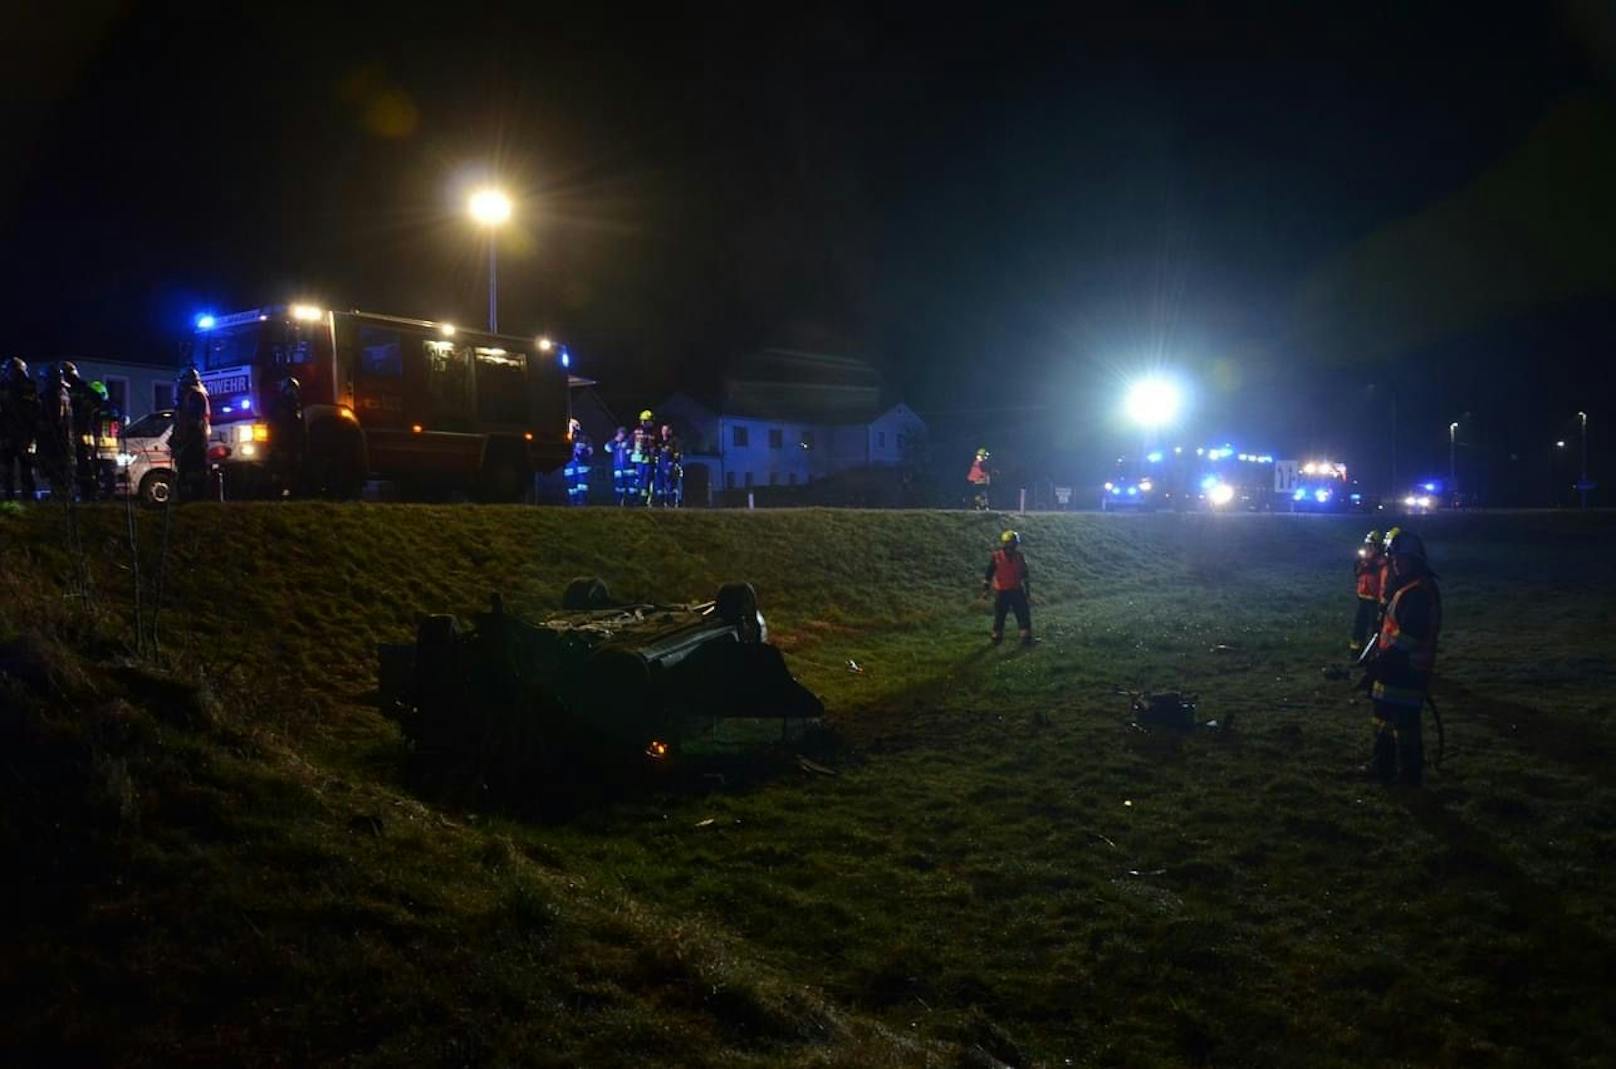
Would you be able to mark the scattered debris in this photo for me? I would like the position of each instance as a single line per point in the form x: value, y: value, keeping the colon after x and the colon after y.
x: 808, y: 765
x: 1223, y: 647
x: 1147, y: 872
x: 1170, y: 709
x: 853, y: 667
x: 1105, y: 839
x: 710, y: 821
x: 1127, y: 802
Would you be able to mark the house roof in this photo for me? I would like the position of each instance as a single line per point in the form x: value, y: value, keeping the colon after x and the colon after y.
x: 804, y: 387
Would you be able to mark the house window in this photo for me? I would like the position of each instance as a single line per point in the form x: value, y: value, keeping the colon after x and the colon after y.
x: 749, y: 479
x: 902, y: 440
x: 117, y: 392
x: 880, y: 439
x: 737, y: 438
x: 729, y: 480
x: 162, y: 396
x: 777, y: 438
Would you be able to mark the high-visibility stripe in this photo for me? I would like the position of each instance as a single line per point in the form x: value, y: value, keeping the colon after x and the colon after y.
x: 1398, y: 695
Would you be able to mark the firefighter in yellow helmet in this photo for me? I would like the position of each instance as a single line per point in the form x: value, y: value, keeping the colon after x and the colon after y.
x: 1012, y: 589
x: 642, y: 459
x: 1366, y: 568
x: 979, y: 477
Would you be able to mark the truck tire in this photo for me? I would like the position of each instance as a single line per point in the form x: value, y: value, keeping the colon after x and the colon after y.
x: 738, y: 607
x: 156, y: 489
x: 336, y: 461
x: 504, y: 475
x: 586, y: 592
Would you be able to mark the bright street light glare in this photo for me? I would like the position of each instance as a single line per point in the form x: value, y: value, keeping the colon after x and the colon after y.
x: 490, y: 207
x: 1152, y: 402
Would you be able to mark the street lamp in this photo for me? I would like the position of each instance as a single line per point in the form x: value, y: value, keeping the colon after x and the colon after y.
x: 1453, y: 468
x: 1582, y: 484
x: 491, y: 208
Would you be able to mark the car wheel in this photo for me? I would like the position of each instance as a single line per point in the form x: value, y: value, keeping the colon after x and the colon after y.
x: 738, y: 607
x: 156, y: 489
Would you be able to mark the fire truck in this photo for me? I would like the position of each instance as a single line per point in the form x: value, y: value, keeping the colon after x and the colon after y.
x: 422, y: 404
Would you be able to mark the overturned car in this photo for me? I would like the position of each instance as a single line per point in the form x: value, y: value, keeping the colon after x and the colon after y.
x: 518, y: 702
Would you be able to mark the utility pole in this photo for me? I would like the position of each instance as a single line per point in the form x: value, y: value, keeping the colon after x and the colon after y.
x: 1582, y: 484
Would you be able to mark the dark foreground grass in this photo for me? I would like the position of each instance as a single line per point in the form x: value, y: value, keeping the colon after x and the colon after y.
x: 219, y: 860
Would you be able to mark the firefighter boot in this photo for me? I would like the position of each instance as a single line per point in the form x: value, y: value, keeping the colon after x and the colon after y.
x: 1026, y: 637
x: 995, y: 637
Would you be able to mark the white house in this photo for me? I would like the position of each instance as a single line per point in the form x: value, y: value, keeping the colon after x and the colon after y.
x: 134, y: 388
x: 741, y: 446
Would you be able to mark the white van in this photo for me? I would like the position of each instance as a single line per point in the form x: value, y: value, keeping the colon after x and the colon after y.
x: 145, y: 465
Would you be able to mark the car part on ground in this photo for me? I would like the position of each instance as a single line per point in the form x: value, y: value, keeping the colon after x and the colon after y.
x: 525, y: 704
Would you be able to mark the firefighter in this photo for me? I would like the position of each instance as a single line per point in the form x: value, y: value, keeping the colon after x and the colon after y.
x: 1385, y: 573
x: 979, y: 477
x: 193, y: 418
x: 56, y: 451
x: 1007, y: 578
x: 642, y: 456
x: 1366, y: 568
x: 287, y: 435
x: 576, y: 470
x: 83, y: 407
x: 670, y: 473
x: 19, y: 426
x: 1399, y: 674
x: 620, y: 447
x: 105, y: 426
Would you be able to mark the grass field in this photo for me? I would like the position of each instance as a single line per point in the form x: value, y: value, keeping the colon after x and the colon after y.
x: 219, y: 859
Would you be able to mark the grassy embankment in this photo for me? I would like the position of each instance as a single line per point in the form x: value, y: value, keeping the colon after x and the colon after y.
x: 218, y: 859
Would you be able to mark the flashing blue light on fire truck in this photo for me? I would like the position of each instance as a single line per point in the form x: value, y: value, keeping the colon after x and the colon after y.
x: 205, y: 322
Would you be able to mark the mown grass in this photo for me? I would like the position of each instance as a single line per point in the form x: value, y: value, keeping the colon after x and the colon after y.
x: 1003, y: 867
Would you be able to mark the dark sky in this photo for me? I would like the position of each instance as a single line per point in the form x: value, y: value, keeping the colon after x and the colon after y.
x: 1009, y: 214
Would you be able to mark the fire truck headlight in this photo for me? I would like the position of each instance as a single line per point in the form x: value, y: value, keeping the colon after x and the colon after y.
x: 249, y: 450
x: 1321, y: 496
x: 306, y: 312
x: 244, y: 432
x: 125, y: 459
x: 1299, y: 495
x: 1425, y: 502
x: 1221, y: 494
x: 1410, y: 501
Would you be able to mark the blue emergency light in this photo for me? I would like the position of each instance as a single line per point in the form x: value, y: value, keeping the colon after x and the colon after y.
x: 1154, y: 457
x: 1321, y: 496
x: 205, y: 322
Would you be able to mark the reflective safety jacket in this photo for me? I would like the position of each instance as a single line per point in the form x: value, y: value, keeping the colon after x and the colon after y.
x: 1367, y: 570
x: 619, y: 448
x: 978, y: 473
x: 645, y: 444
x: 1007, y: 570
x: 1406, y: 651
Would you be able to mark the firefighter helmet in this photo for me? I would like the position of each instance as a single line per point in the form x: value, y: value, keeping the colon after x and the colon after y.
x: 1372, y: 537
x: 290, y: 384
x: 1406, y: 544
x: 982, y: 454
x: 1391, y: 533
x: 1010, y: 538
x: 189, y: 377
x: 68, y: 369
x: 645, y: 416
x: 99, y: 388
x: 17, y: 368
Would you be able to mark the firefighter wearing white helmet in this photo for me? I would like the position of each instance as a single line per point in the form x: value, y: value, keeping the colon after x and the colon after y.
x: 1012, y: 589
x: 979, y: 477
x: 1403, y: 660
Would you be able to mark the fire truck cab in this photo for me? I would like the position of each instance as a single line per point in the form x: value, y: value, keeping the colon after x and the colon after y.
x: 428, y: 406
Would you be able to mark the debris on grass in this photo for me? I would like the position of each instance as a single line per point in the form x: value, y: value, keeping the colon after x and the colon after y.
x: 1223, y: 647
x: 1103, y: 838
x: 709, y: 822
x: 809, y: 765
x: 854, y: 668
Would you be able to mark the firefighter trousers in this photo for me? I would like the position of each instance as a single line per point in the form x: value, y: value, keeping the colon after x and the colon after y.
x: 1399, y: 753
x: 1009, y: 601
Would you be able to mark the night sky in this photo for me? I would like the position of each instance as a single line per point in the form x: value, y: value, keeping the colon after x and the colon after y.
x: 1008, y: 215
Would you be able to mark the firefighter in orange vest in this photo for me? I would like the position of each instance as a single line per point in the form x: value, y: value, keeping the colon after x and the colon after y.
x: 1386, y: 572
x: 1403, y: 659
x: 1007, y: 578
x: 979, y: 477
x: 1366, y: 573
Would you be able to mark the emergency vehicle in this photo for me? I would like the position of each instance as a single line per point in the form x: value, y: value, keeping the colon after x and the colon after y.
x: 1313, y: 485
x: 420, y: 403
x: 145, y: 464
